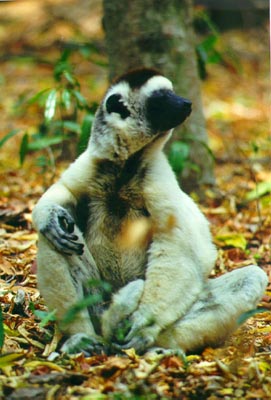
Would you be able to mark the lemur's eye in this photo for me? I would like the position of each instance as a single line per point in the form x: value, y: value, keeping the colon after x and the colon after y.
x: 114, y: 104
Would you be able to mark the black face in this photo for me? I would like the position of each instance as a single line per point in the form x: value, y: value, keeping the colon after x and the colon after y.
x: 114, y: 104
x: 166, y: 110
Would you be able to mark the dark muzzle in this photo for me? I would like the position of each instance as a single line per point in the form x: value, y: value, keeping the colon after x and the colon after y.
x: 166, y: 110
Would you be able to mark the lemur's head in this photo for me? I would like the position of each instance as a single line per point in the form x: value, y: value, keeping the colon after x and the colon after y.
x: 139, y: 107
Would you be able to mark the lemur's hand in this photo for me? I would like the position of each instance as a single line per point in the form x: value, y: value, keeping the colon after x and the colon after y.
x: 142, y: 334
x: 116, y: 319
x: 58, y: 230
x: 81, y: 342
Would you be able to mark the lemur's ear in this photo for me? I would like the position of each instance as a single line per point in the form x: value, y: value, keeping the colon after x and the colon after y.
x: 166, y: 110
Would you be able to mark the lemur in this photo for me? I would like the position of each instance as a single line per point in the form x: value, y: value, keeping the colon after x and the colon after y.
x: 160, y: 286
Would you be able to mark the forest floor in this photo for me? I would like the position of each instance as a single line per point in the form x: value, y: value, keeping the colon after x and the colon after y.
x: 236, y: 98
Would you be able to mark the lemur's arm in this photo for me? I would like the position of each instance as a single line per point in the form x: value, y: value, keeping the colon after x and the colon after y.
x: 53, y: 216
x: 65, y: 264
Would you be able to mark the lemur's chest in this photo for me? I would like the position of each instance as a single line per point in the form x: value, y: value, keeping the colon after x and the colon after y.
x: 115, y: 200
x: 108, y: 215
x: 116, y: 195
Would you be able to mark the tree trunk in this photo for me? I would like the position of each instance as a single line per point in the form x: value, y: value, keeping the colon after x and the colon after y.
x: 160, y: 34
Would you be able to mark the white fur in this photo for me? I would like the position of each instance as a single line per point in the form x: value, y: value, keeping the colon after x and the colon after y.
x: 154, y: 83
x: 120, y: 88
x: 176, y: 306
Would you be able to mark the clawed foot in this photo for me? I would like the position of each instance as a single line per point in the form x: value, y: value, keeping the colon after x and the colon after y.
x: 82, y: 343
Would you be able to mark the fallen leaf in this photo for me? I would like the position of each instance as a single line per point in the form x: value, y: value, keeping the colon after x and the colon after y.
x: 41, y: 363
x: 232, y: 239
x: 8, y: 359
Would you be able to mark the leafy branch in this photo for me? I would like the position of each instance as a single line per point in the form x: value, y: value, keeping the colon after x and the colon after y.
x: 66, y: 118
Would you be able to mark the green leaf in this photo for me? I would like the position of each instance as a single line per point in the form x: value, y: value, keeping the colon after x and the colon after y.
x: 209, y: 43
x: 71, y: 126
x: 68, y: 125
x: 81, y: 305
x: 44, y: 162
x: 38, y: 97
x: 9, y: 136
x: 43, y: 142
x: 85, y: 51
x: 261, y: 189
x: 178, y: 155
x: 10, y: 332
x: 243, y: 317
x: 7, y: 360
x: 66, y: 98
x: 65, y: 55
x: 63, y: 65
x: 45, y: 317
x: 233, y: 239
x: 80, y: 98
x: 214, y: 57
x: 2, y: 332
x: 90, y: 300
x: 122, y: 330
x: 50, y: 105
x: 23, y: 148
x: 70, y: 78
x: 85, y: 133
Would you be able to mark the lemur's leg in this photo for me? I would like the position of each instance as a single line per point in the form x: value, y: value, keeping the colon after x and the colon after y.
x: 63, y: 281
x: 214, y: 316
x: 123, y: 304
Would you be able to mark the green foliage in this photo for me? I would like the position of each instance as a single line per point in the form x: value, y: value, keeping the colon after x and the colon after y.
x: 8, y: 136
x: 86, y: 302
x: 179, y: 154
x: 66, y: 117
x: 99, y: 289
x: 262, y: 189
x: 44, y: 316
x: 209, y: 49
x: 23, y: 148
x: 207, y: 54
x: 206, y: 49
x: 84, y: 132
x: 243, y: 317
x: 122, y: 330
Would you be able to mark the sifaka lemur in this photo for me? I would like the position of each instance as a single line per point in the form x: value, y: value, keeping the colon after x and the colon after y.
x: 161, y: 284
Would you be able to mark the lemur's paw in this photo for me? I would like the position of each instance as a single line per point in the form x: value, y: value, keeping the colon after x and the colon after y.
x: 59, y: 231
x: 82, y: 343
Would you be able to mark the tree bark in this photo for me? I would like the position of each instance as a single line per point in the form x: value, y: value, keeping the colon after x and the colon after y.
x: 160, y: 34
